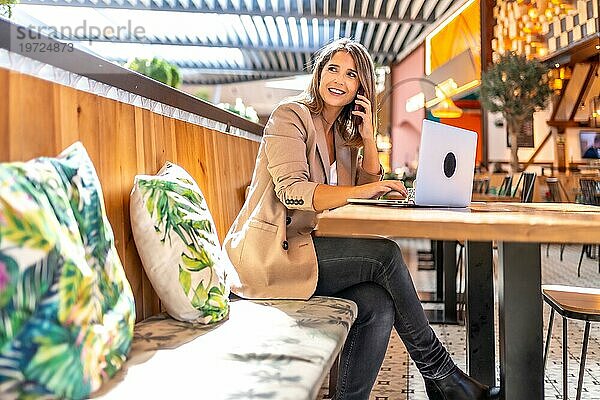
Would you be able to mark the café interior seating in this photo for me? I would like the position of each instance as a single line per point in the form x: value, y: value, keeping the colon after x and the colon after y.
x: 554, y: 190
x: 506, y: 186
x: 590, y: 194
x: 481, y: 185
x: 527, y: 183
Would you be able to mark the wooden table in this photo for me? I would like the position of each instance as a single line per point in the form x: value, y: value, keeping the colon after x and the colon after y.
x: 519, y: 229
x: 494, y: 197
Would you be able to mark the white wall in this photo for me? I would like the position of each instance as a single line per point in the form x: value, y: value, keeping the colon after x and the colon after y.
x: 497, y: 147
x: 572, y: 145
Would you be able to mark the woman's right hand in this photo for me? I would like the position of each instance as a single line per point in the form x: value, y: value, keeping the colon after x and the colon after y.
x: 376, y: 189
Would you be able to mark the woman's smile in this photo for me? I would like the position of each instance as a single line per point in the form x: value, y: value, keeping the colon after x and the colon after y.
x: 336, y: 92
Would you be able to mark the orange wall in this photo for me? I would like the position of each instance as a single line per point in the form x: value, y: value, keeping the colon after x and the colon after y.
x: 472, y: 121
x: 462, y: 33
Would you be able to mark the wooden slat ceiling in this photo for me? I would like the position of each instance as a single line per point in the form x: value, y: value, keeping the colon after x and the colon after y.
x: 265, y: 38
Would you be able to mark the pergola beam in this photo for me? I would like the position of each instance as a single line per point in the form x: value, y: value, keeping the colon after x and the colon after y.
x: 193, y: 8
x: 199, y: 43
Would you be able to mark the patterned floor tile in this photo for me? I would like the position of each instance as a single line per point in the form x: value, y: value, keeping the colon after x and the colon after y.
x: 399, y: 379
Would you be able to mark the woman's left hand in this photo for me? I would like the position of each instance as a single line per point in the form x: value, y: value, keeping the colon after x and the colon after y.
x: 365, y: 128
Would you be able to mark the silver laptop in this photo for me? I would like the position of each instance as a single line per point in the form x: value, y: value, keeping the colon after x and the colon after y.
x: 445, y: 170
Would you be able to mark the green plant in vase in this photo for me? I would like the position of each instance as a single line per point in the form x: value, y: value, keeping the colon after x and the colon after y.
x: 516, y: 87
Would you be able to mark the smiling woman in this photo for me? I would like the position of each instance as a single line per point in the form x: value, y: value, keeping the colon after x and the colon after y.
x: 308, y: 162
x: 337, y: 78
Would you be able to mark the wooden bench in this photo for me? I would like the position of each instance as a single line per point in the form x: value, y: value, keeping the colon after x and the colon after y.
x: 266, y: 349
x: 278, y: 349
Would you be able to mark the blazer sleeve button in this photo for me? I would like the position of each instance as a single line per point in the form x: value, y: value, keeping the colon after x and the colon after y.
x: 288, y: 220
x: 285, y: 245
x: 301, y: 201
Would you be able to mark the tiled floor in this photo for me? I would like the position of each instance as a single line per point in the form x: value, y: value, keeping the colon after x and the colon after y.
x: 399, y: 379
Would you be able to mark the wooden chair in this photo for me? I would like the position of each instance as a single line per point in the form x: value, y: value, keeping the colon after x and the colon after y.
x: 590, y: 191
x: 528, y: 180
x: 590, y: 194
x: 506, y: 186
x: 481, y: 185
x: 557, y: 190
x: 575, y: 303
x: 554, y: 188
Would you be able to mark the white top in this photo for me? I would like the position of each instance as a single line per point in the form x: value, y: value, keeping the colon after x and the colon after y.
x: 333, y: 177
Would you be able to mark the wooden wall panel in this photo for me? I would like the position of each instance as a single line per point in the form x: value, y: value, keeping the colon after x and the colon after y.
x: 88, y: 125
x: 216, y: 153
x: 4, y: 142
x: 32, y: 134
x: 165, y: 144
x: 122, y: 141
x: 230, y: 161
x: 190, y: 141
x: 151, y: 126
x: 210, y: 187
x: 105, y: 165
x: 239, y: 178
x: 65, y: 116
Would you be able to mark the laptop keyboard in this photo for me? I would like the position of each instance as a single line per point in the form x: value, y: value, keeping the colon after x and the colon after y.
x: 410, y: 199
x: 411, y: 195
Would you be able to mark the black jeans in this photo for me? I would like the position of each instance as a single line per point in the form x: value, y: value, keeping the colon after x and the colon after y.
x: 346, y: 262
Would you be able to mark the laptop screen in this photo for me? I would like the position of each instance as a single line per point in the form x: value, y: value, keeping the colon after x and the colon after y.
x: 446, y: 165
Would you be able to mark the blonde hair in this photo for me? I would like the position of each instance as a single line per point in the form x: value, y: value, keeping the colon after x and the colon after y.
x: 344, y: 124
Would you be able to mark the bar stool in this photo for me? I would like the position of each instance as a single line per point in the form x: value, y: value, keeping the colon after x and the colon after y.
x: 575, y: 303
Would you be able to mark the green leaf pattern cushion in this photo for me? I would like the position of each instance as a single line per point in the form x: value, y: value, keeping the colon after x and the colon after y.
x: 176, y: 238
x: 66, y: 306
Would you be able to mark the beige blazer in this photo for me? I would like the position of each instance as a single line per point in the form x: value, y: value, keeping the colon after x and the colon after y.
x: 270, y: 243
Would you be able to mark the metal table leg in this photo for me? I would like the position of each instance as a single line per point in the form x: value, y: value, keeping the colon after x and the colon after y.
x: 480, y: 312
x: 449, y: 276
x: 521, y: 343
x: 437, y: 246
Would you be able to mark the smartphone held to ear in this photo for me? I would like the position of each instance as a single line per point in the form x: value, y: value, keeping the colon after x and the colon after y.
x: 355, y: 118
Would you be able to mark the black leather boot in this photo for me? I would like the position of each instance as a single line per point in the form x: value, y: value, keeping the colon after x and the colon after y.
x: 459, y: 386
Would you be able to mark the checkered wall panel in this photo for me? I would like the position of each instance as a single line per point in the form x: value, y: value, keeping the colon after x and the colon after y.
x: 510, y: 32
x: 572, y: 28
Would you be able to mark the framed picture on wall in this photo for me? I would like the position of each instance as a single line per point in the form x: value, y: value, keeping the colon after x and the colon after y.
x: 525, y: 137
x: 589, y: 143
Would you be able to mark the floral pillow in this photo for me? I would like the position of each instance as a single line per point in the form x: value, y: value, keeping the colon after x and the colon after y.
x: 66, y: 306
x: 176, y: 238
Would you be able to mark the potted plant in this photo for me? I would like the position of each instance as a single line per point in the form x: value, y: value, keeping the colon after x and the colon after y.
x: 516, y: 87
x: 157, y: 69
x: 6, y: 7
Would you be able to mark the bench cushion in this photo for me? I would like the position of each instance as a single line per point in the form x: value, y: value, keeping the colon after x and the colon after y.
x: 279, y: 349
x: 178, y: 244
x: 66, y: 307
